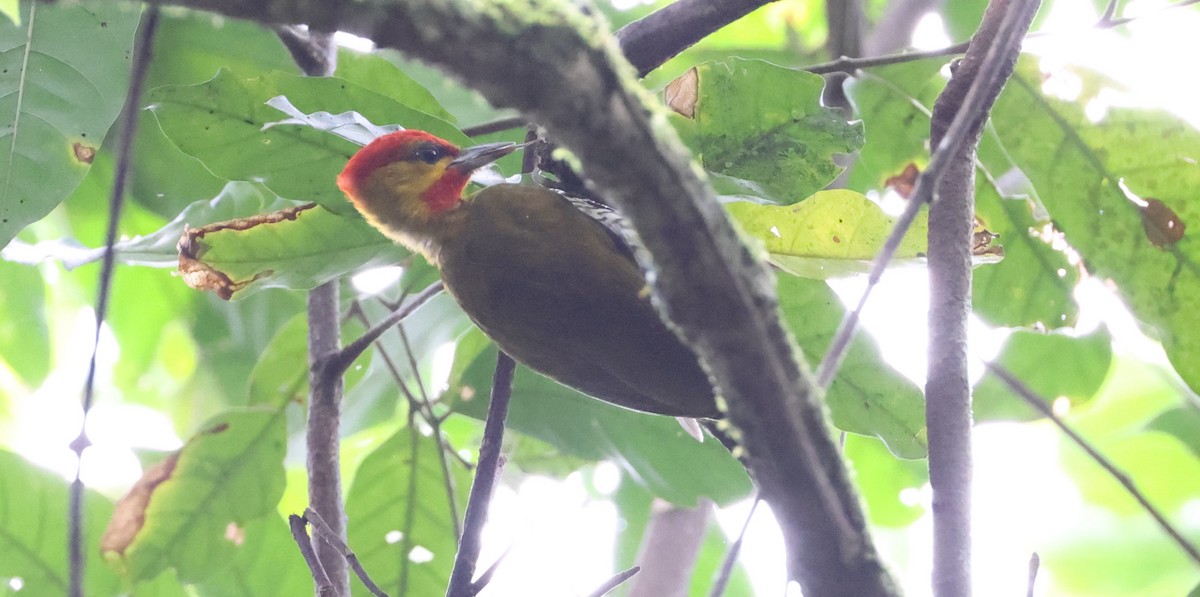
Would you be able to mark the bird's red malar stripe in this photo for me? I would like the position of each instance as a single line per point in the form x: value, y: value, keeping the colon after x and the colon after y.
x: 446, y: 193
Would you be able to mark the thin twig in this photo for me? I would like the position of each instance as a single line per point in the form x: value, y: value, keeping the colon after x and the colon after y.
x: 1035, y: 562
x: 615, y: 581
x: 1041, y: 404
x: 129, y: 118
x: 329, y: 535
x: 486, y: 475
x: 496, y: 126
x: 316, y: 54
x: 422, y: 406
x: 955, y: 135
x: 436, y: 424
x: 344, y: 358
x: 849, y: 65
x: 485, y: 578
x: 721, y: 581
x: 304, y: 543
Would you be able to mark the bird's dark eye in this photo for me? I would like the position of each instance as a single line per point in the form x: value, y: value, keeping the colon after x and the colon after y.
x: 429, y: 153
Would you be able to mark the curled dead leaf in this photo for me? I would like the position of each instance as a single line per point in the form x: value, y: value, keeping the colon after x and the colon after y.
x: 1162, y: 225
x: 904, y: 182
x: 681, y: 94
x: 983, y: 241
x: 202, y: 276
x: 130, y: 512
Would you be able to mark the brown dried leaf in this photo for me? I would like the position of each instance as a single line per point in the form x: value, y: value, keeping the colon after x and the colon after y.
x: 983, y: 241
x: 904, y: 182
x: 130, y: 512
x: 200, y: 275
x: 681, y: 94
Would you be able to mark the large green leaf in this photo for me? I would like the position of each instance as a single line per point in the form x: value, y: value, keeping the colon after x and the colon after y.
x: 867, y: 396
x: 265, y: 562
x: 400, y: 523
x: 376, y: 73
x: 63, y: 74
x: 1033, y: 284
x: 1080, y: 366
x: 1078, y: 167
x: 1105, y: 555
x: 833, y: 233
x: 180, y: 513
x: 881, y: 477
x: 220, y: 122
x: 760, y: 129
x: 33, y: 531
x: 653, y: 449
x: 189, y: 48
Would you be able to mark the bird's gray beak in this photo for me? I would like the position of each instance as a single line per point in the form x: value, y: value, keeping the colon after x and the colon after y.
x: 473, y: 158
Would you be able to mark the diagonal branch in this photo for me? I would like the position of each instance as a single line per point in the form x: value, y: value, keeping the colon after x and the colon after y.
x: 650, y: 41
x: 558, y: 67
x: 1040, y: 404
x: 486, y: 476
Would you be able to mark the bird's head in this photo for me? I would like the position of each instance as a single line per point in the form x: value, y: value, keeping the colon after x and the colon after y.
x: 403, y: 182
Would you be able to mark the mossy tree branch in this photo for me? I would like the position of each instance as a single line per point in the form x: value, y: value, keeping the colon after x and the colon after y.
x: 561, y: 69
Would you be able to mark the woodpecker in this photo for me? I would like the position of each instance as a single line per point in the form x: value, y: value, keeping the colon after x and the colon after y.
x: 554, y: 287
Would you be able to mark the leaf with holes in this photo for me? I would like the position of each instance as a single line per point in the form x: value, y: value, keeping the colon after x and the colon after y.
x: 1097, y: 179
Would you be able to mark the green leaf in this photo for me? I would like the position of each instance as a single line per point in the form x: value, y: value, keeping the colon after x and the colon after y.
x: 653, y: 449
x: 220, y: 123
x: 1078, y: 167
x: 281, y: 373
x: 881, y: 477
x: 1114, y: 556
x: 189, y: 48
x: 376, y: 73
x: 63, y: 74
x: 265, y: 562
x: 1034, y: 281
x: 894, y: 103
x: 33, y: 519
x: 160, y: 248
x: 867, y: 396
x: 399, y: 502
x: 1165, y: 470
x: 297, y: 247
x: 231, y: 472
x: 373, y: 401
x: 761, y: 130
x: 1080, y: 366
x: 1183, y: 423
x: 24, y: 335
x: 833, y: 233
x: 12, y: 10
